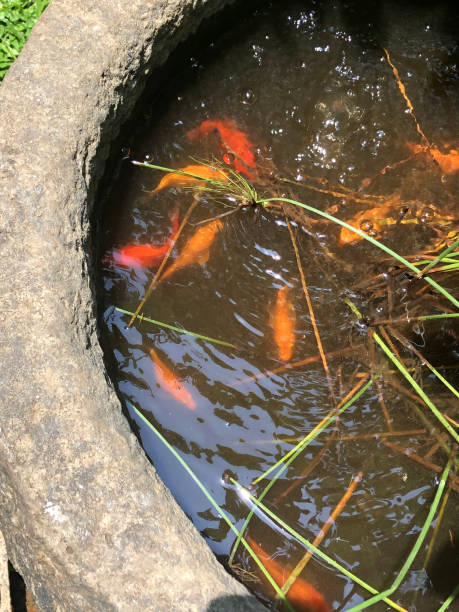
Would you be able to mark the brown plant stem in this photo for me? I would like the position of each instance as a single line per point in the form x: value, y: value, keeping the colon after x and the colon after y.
x: 164, y: 261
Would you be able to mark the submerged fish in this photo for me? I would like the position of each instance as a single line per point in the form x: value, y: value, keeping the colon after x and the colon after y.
x: 239, y: 149
x: 145, y: 255
x: 283, y: 324
x: 197, y: 249
x: 175, y: 179
x: 366, y: 220
x: 302, y: 595
x: 448, y: 162
x: 170, y: 383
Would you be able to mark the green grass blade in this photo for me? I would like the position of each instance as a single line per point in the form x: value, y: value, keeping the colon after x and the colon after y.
x: 284, y: 463
x: 218, y: 509
x: 374, y: 242
x: 446, y: 315
x: 416, y: 387
x: 311, y: 546
x: 178, y: 329
x: 450, y: 600
x: 442, y: 255
x: 221, y: 184
x: 302, y: 444
x: 414, y: 551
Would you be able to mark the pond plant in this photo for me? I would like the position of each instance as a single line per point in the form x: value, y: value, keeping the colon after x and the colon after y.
x: 426, y: 280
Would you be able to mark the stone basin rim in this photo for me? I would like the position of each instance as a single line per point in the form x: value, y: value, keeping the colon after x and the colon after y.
x: 87, y: 521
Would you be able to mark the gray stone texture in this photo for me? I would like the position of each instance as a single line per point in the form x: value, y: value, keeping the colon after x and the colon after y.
x: 87, y: 521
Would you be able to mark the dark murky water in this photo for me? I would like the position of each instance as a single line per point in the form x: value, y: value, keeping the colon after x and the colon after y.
x: 310, y: 86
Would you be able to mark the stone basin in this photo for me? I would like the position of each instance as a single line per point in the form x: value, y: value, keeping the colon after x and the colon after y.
x: 87, y: 521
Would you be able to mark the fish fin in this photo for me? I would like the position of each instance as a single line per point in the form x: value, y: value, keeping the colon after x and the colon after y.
x: 204, y: 257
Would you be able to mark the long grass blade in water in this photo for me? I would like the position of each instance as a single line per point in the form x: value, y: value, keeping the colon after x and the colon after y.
x: 322, y: 533
x: 416, y: 387
x: 370, y: 239
x: 218, y: 509
x: 310, y: 545
x: 407, y: 375
x: 293, y: 454
x: 414, y: 551
x: 180, y: 330
x: 450, y: 600
x: 344, y: 405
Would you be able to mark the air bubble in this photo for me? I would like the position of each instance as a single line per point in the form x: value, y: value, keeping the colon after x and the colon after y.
x: 248, y: 97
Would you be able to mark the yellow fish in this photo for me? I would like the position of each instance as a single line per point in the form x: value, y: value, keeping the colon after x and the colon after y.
x: 175, y: 179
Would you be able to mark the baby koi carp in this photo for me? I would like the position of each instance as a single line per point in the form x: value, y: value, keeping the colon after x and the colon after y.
x: 283, y: 324
x: 197, y: 249
x: 170, y: 383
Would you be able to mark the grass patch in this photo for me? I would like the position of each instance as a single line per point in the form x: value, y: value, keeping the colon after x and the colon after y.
x: 17, y: 18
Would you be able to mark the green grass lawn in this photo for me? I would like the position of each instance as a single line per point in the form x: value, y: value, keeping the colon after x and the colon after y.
x: 17, y: 18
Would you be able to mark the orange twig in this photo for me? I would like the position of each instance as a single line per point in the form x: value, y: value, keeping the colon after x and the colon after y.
x: 311, y: 312
x: 453, y: 481
x: 322, y: 533
x: 402, y: 89
x: 378, y: 381
x: 297, y: 364
x: 164, y: 261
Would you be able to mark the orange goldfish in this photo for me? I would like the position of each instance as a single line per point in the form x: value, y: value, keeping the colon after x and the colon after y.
x: 283, y: 324
x: 145, y: 255
x: 170, y: 383
x: 197, y: 249
x: 174, y: 179
x: 448, y: 162
x: 239, y: 149
x: 302, y: 595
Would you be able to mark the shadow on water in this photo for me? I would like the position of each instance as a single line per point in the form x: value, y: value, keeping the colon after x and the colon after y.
x: 233, y: 603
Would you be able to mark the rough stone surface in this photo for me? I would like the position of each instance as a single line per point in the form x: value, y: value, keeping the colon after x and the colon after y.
x: 87, y: 521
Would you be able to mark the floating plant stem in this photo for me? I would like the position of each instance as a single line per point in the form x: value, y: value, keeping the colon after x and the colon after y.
x: 450, y: 600
x: 407, y: 375
x: 182, y: 172
x: 344, y: 404
x: 402, y: 89
x: 416, y: 387
x: 178, y: 329
x: 414, y: 551
x: 156, y: 277
x: 217, y: 508
x: 322, y: 533
x: 297, y: 364
x: 314, y: 549
x: 404, y: 341
x: 408, y: 319
x: 370, y: 239
x: 311, y: 311
x: 294, y: 452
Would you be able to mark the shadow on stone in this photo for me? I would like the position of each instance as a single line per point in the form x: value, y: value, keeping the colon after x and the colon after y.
x: 230, y: 603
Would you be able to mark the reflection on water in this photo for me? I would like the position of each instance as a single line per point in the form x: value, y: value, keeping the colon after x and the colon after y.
x: 311, y: 89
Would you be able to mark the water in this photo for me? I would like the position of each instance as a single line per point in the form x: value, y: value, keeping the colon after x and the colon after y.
x: 310, y: 86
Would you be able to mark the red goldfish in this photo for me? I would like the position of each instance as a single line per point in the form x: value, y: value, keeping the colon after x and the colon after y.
x: 175, y: 179
x: 239, y: 149
x: 283, y: 324
x: 448, y: 162
x: 145, y: 255
x: 302, y: 595
x: 197, y: 249
x: 170, y: 383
